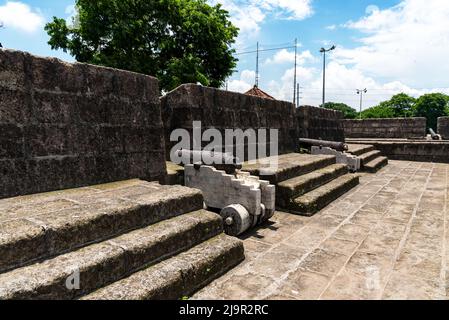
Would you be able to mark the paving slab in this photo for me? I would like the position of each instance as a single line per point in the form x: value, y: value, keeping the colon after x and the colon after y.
x: 388, y: 238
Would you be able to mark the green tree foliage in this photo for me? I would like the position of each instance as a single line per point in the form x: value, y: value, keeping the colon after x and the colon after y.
x: 178, y: 41
x: 348, y: 112
x: 401, y: 104
x: 432, y: 106
x: 380, y: 111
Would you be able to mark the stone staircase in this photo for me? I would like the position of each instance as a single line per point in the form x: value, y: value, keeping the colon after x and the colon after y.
x: 125, y: 240
x: 304, y: 183
x: 371, y: 159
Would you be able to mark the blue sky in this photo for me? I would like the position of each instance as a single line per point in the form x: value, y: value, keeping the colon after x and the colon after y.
x: 386, y: 46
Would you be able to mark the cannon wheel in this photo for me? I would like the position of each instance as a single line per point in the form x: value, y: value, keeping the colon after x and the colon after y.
x: 236, y: 219
x: 265, y: 216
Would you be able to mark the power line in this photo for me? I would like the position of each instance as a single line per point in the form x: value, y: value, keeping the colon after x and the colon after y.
x: 349, y: 94
x: 263, y: 50
x: 384, y: 90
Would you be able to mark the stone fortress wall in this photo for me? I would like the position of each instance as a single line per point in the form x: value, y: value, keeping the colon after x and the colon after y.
x: 71, y: 125
x: 443, y: 127
x: 397, y: 128
x: 223, y: 110
x: 320, y: 123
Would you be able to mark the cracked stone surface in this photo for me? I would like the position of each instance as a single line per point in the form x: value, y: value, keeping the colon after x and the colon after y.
x: 388, y: 238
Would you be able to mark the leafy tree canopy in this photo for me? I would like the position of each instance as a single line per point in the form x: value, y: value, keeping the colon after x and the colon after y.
x: 401, y: 104
x: 432, y: 106
x: 178, y: 41
x: 380, y: 111
x: 348, y: 112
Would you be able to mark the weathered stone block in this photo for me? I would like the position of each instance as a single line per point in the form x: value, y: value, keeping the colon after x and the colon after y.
x: 13, y: 66
x: 443, y: 127
x: 385, y: 128
x: 14, y: 106
x: 11, y: 141
x: 64, y: 125
x: 56, y: 109
x: 319, y: 123
x: 13, y: 177
x: 112, y: 139
x: 47, y: 140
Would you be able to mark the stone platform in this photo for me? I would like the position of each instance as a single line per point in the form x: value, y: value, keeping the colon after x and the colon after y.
x: 409, y: 149
x: 385, y: 239
x: 304, y: 183
x: 370, y: 158
x: 126, y: 240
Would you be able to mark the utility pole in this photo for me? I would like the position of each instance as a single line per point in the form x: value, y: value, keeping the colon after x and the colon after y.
x: 297, y: 95
x: 257, y: 66
x: 295, y: 92
x: 226, y: 85
x: 361, y: 92
x: 324, y: 51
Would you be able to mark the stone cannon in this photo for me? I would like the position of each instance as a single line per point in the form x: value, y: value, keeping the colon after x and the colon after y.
x: 434, y: 135
x: 219, y: 160
x: 338, y: 146
x: 354, y: 163
x: 243, y: 201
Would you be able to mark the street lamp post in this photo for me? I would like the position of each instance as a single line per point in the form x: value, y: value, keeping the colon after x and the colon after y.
x: 361, y: 92
x: 324, y: 51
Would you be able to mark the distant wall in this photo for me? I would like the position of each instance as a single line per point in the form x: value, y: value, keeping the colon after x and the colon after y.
x: 320, y: 123
x: 443, y: 127
x: 70, y: 125
x: 398, y: 128
x: 227, y: 110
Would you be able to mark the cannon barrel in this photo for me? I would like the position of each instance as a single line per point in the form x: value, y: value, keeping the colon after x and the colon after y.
x: 339, y: 146
x: 434, y: 135
x: 218, y: 160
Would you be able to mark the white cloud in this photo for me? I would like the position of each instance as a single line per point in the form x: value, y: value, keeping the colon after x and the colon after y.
x: 289, y: 9
x: 284, y: 90
x: 371, y: 9
x: 408, y: 43
x: 284, y: 56
x: 343, y: 81
x: 246, y: 82
x: 331, y: 27
x: 248, y: 15
x: 400, y: 49
x: 70, y: 9
x: 20, y: 16
x: 245, y: 15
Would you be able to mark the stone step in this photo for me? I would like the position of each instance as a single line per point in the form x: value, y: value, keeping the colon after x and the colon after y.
x: 180, y: 276
x: 359, y: 149
x: 175, y: 174
x: 288, y: 167
x: 375, y: 165
x: 103, y: 263
x: 314, y: 201
x: 45, y: 225
x: 293, y: 188
x: 370, y: 156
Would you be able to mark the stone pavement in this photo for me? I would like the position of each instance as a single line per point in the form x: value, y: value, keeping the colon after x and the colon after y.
x: 386, y: 239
